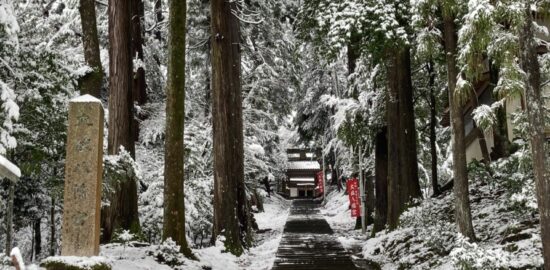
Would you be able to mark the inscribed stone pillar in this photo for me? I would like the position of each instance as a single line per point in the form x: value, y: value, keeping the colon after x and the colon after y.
x: 83, y: 178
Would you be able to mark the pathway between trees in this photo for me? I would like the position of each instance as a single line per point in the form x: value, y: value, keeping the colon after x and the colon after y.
x: 308, y: 242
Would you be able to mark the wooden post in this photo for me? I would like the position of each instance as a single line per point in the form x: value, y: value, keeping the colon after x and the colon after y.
x: 362, y: 188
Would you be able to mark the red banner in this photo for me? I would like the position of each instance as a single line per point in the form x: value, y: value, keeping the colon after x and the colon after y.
x: 353, y: 193
x: 320, y: 182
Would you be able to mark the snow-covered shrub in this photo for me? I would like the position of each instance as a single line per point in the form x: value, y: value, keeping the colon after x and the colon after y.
x: 432, y: 223
x: 76, y: 263
x: 517, y: 175
x: 471, y: 256
x: 124, y: 237
x: 167, y: 253
x: 117, y: 169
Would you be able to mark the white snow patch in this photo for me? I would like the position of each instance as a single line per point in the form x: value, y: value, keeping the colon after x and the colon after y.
x: 86, y: 99
x: 9, y: 170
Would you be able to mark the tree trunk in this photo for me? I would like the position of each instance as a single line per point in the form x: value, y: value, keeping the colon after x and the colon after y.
x: 230, y: 210
x: 52, y: 228
x: 37, y: 238
x: 91, y: 82
x: 370, y: 203
x: 500, y: 130
x: 433, y: 125
x: 381, y: 180
x: 403, y: 184
x: 353, y: 55
x: 120, y: 75
x: 463, y: 213
x: 9, y: 218
x: 535, y: 113
x: 174, y: 207
x: 122, y: 213
x: 407, y: 136
x: 139, y: 92
x: 483, y: 145
x: 392, y: 115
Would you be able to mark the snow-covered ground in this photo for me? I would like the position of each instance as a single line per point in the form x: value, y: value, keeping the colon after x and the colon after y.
x: 260, y: 257
x: 506, y: 226
x: 337, y: 213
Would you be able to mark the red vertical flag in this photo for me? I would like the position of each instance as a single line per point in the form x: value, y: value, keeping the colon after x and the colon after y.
x: 320, y: 182
x: 353, y: 193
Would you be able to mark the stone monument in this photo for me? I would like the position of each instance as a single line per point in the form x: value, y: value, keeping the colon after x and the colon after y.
x: 13, y: 173
x: 83, y: 178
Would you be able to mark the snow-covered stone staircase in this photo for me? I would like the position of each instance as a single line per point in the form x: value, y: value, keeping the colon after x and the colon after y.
x: 308, y: 242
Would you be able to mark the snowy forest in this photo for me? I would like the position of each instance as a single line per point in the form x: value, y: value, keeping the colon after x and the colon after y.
x: 440, y: 109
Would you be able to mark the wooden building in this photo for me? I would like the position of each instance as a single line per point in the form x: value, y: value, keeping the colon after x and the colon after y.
x: 302, y: 167
x: 477, y: 141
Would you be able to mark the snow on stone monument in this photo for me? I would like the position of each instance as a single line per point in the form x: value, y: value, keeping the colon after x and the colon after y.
x: 83, y: 178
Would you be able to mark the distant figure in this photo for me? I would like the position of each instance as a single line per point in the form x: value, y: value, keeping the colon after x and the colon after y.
x: 267, y: 186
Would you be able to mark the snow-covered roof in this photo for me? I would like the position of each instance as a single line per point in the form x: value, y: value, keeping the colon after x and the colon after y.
x: 303, y: 165
x: 302, y: 179
x: 9, y: 170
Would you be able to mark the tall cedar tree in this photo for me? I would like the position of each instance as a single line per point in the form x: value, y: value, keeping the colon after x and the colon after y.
x: 230, y: 210
x: 463, y: 213
x: 91, y: 82
x: 139, y: 93
x: 433, y: 126
x: 535, y: 113
x: 353, y: 55
x: 407, y: 135
x: 403, y: 183
x: 122, y: 213
x: 174, y: 207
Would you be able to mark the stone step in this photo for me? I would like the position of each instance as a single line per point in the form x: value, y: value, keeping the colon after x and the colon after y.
x: 308, y: 242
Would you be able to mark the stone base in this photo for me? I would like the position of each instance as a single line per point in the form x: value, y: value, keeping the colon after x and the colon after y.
x: 75, y: 263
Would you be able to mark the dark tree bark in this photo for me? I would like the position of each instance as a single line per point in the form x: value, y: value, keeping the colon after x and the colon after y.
x: 231, y: 218
x: 371, y: 202
x: 433, y: 125
x: 407, y: 135
x: 392, y: 115
x: 535, y: 113
x: 122, y: 213
x: 483, y: 145
x: 91, y: 82
x: 159, y: 18
x: 139, y: 86
x: 9, y: 218
x: 174, y: 207
x: 37, y: 238
x: 463, y: 213
x: 52, y: 228
x: 120, y: 77
x: 381, y: 180
x: 403, y: 184
x: 500, y: 130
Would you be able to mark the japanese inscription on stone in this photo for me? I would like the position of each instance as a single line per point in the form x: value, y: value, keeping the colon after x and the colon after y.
x: 83, y: 178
